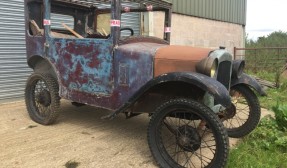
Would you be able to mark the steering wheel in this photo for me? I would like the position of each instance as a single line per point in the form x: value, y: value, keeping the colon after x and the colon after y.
x: 128, y: 28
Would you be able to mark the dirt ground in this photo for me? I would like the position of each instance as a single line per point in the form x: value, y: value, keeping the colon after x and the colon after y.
x: 78, y: 136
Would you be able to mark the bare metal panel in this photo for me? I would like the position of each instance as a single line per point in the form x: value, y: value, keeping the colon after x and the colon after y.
x: 233, y: 11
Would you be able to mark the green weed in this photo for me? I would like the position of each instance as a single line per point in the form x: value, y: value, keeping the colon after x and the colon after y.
x: 266, y: 146
x: 275, y: 95
x: 281, y: 116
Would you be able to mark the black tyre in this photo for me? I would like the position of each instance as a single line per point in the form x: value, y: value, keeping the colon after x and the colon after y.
x: 42, y: 98
x: 185, y: 133
x: 244, y: 115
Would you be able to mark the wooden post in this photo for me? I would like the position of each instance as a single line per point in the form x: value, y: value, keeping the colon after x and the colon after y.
x: 72, y: 31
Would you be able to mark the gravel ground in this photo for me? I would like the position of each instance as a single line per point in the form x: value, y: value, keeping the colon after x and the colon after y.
x: 79, y: 136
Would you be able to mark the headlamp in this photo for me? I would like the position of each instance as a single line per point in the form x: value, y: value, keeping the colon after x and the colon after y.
x: 208, y: 66
x: 213, y: 69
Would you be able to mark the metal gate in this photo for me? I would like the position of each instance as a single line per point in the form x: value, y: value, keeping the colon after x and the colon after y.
x: 14, y: 70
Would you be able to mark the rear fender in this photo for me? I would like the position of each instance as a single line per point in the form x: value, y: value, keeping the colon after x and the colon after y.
x: 42, y: 65
x: 249, y: 81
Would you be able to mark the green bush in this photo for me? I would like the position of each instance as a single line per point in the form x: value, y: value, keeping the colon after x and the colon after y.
x: 281, y: 116
x: 268, y: 135
x: 266, y: 146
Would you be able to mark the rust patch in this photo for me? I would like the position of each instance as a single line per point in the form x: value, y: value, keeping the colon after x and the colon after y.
x: 178, y: 59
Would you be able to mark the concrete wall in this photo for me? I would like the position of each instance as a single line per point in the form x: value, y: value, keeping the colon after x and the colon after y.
x: 199, y: 32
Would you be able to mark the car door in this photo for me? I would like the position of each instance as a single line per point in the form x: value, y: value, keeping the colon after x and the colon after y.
x: 82, y: 64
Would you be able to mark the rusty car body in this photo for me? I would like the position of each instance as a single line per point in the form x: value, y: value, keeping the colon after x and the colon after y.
x: 94, y: 65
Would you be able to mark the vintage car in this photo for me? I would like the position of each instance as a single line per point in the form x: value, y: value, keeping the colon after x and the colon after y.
x: 195, y: 97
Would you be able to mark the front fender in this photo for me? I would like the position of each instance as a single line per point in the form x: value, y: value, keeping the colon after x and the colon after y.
x: 251, y: 82
x: 210, y: 85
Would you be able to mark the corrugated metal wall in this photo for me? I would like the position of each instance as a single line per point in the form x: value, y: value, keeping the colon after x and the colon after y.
x: 14, y: 70
x: 13, y: 67
x: 233, y: 11
x: 131, y: 20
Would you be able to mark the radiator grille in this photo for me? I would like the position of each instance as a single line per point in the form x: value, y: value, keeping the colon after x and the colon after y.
x: 223, y: 75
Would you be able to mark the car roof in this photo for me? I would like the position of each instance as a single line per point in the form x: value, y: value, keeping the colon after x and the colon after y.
x: 89, y: 3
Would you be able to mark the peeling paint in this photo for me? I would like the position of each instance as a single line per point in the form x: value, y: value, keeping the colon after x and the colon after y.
x: 109, y: 73
x: 83, y: 64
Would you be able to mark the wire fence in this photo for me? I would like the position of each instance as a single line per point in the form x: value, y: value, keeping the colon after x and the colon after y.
x: 258, y: 59
x: 268, y: 60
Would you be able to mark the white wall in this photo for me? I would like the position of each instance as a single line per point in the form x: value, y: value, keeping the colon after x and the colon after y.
x: 199, y: 32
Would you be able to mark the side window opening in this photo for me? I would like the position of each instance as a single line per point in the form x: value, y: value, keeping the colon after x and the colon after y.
x: 87, y: 22
x: 102, y: 24
x: 35, y: 30
x: 57, y: 29
x: 58, y: 24
x: 58, y: 19
x: 35, y: 19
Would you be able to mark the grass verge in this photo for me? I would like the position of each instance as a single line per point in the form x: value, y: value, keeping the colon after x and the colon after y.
x: 266, y: 146
x: 274, y: 95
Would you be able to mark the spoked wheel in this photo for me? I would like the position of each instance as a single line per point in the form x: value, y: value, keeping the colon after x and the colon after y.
x: 42, y: 98
x: 185, y: 133
x: 244, y: 114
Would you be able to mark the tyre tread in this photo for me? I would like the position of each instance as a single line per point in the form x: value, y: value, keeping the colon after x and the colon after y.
x: 219, y: 128
x: 53, y: 86
x: 254, y: 116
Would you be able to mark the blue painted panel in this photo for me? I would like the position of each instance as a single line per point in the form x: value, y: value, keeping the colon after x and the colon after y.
x: 83, y: 64
x: 138, y: 60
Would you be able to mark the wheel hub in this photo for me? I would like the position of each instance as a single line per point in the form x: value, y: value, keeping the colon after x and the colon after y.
x: 228, y: 113
x: 188, y: 138
x: 44, y: 98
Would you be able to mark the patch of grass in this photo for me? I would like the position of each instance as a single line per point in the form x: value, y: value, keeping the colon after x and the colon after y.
x: 274, y: 96
x: 246, y: 156
x: 72, y: 164
x: 266, y: 75
x: 266, y: 146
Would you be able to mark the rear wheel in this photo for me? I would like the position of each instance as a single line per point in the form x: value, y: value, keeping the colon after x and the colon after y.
x: 42, y: 98
x: 185, y: 133
x: 244, y: 115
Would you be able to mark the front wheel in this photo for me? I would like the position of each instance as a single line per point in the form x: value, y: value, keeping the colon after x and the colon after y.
x: 244, y: 114
x: 185, y: 133
x: 42, y: 98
